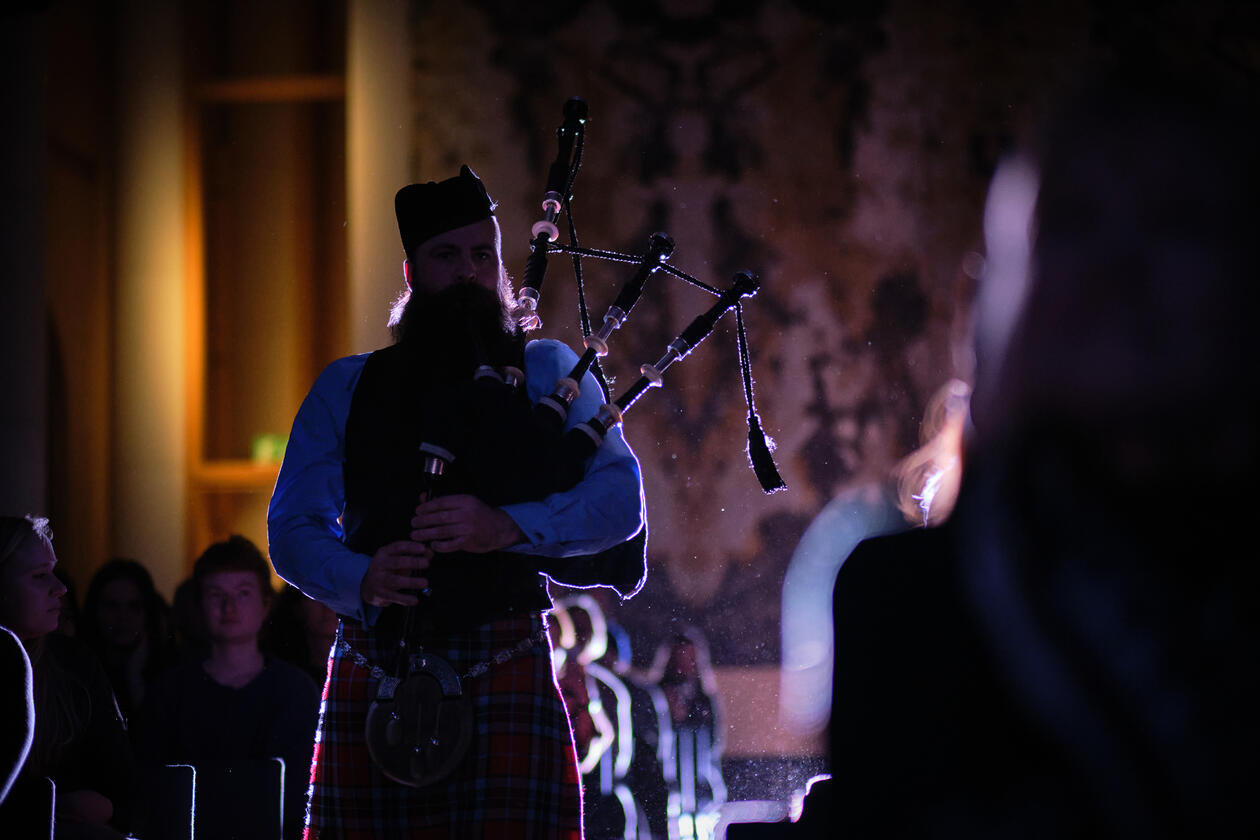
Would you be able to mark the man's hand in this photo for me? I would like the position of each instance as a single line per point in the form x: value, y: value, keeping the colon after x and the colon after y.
x: 388, y: 579
x: 464, y: 523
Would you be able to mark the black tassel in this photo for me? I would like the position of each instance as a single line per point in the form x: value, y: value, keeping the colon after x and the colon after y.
x: 760, y: 458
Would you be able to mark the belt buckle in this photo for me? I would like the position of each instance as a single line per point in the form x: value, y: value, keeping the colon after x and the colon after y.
x: 419, y: 727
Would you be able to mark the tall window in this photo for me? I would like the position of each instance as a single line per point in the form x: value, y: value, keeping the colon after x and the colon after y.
x: 266, y: 230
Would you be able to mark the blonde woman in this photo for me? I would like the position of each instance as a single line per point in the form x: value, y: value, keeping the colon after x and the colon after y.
x: 79, y: 741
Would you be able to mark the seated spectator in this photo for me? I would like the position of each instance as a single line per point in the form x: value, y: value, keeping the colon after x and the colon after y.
x: 653, y: 736
x: 682, y: 670
x: 188, y: 623
x: 68, y: 622
x: 608, y: 805
x: 125, y: 621
x: 302, y: 630
x: 79, y: 742
x: 235, y: 704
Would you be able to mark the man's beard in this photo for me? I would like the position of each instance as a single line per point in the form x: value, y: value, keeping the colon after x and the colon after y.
x: 455, y: 330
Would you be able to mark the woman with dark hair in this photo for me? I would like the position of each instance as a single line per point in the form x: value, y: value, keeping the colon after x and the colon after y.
x: 126, y: 622
x: 301, y: 630
x: 79, y: 741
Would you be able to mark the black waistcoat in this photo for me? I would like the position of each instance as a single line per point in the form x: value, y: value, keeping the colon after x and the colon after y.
x: 503, y: 456
x: 395, y: 408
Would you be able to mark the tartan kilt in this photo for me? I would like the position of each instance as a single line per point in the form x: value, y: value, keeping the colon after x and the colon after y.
x: 518, y: 779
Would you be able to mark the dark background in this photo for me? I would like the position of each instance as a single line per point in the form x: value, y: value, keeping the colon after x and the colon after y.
x: 841, y: 151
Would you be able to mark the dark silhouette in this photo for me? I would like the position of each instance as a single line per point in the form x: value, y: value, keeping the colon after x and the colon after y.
x: 1069, y: 655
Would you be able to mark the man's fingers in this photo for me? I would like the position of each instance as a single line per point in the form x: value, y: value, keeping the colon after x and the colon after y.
x: 400, y: 582
x: 405, y: 548
x: 446, y: 503
x: 389, y: 579
x: 430, y: 518
x: 410, y: 563
x: 429, y: 533
x: 463, y: 523
x: 386, y: 588
x: 381, y: 594
x: 447, y: 509
x: 403, y: 555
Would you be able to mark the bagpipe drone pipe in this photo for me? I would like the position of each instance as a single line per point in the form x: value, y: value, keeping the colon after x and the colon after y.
x: 552, y: 410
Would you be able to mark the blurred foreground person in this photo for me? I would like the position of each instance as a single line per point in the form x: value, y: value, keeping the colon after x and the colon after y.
x: 79, y: 742
x: 1071, y: 654
x: 17, y: 709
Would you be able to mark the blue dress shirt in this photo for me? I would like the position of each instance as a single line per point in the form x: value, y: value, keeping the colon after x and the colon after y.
x: 303, y: 521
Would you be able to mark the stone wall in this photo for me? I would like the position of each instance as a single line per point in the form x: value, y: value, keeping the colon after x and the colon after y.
x: 839, y: 150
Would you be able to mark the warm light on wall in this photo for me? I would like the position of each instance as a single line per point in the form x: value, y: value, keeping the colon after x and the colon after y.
x: 149, y: 428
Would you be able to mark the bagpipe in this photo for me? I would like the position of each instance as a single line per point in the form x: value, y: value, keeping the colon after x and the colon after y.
x: 486, y: 437
x: 582, y: 440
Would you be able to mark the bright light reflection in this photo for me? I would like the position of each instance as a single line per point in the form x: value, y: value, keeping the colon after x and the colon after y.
x: 805, y: 678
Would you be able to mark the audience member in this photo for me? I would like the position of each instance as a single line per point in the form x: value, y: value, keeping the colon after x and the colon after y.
x: 609, y: 808
x: 681, y: 668
x: 79, y: 741
x: 651, y: 764
x: 301, y: 630
x: 68, y: 618
x: 236, y: 704
x: 188, y: 623
x: 126, y: 622
x: 1069, y: 654
x: 593, y: 730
